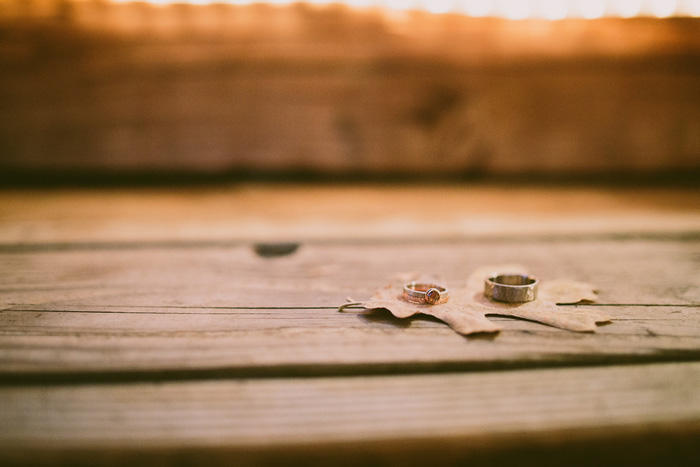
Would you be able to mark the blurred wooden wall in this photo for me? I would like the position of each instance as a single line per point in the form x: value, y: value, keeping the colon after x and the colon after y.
x: 90, y: 85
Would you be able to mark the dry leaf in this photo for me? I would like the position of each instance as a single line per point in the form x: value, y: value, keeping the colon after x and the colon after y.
x: 468, y: 307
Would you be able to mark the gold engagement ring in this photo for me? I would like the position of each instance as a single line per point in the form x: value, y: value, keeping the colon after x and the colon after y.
x: 425, y: 293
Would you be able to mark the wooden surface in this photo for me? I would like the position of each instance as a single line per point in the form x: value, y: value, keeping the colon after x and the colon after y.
x: 191, y: 348
x: 144, y: 310
x: 249, y: 213
x: 91, y: 86
x: 387, y: 420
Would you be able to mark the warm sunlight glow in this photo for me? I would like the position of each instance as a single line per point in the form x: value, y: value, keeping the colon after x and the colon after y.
x: 627, y: 8
x: 591, y: 9
x: 510, y: 9
x: 438, y: 6
x: 476, y: 7
x: 515, y: 9
x: 399, y: 4
x: 692, y: 7
x: 552, y: 9
x: 663, y: 8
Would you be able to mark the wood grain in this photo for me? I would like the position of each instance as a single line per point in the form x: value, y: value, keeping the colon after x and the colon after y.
x: 152, y: 313
x: 125, y: 342
x: 626, y: 271
x: 471, y: 414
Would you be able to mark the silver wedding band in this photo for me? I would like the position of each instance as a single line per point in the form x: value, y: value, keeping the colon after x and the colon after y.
x: 425, y: 293
x: 511, y: 288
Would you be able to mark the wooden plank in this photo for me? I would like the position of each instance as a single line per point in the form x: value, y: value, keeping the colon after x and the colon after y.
x: 150, y: 313
x: 164, y: 347
x: 626, y: 271
x: 462, y: 416
x: 282, y: 212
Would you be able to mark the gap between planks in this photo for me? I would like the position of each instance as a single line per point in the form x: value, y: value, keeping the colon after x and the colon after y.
x: 689, y: 234
x: 67, y: 309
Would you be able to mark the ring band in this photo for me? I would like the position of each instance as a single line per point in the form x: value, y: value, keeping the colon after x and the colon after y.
x: 428, y: 294
x: 511, y: 288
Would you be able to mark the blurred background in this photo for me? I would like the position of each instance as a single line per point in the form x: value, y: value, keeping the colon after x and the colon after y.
x: 95, y: 91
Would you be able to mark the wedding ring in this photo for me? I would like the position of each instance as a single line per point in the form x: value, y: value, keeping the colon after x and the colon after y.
x: 427, y: 294
x: 511, y: 288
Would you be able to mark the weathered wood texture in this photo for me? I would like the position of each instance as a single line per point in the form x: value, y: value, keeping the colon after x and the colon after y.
x: 100, y: 86
x: 214, y: 309
x: 191, y: 348
x: 386, y: 420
